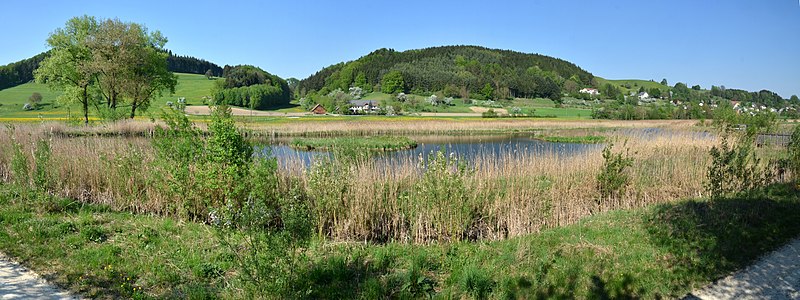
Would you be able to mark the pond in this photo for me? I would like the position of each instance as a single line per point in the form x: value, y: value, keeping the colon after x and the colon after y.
x: 470, y: 148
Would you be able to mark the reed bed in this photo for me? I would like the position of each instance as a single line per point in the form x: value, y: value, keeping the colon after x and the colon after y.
x: 488, y: 198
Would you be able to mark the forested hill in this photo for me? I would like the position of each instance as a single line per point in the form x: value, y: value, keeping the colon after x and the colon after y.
x: 21, y: 72
x: 465, y: 68
x: 192, y: 65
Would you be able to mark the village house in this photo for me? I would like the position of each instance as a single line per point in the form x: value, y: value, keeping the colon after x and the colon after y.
x: 643, y: 96
x: 590, y: 91
x: 364, y: 106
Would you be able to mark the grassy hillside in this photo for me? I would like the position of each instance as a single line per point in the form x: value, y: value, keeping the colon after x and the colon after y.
x: 190, y: 86
x: 627, y: 85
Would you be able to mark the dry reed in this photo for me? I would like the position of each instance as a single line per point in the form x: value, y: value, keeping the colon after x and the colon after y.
x: 503, y: 197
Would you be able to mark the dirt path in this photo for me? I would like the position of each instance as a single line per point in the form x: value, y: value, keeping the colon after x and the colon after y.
x: 774, y: 276
x: 17, y: 282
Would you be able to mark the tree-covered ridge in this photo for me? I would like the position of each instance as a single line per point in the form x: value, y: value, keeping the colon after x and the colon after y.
x: 192, y: 65
x: 21, y: 72
x: 252, y: 87
x: 468, y: 69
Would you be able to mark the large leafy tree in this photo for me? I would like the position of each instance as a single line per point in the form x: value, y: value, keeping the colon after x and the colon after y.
x: 150, y: 76
x: 120, y: 60
x: 393, y: 82
x: 69, y: 66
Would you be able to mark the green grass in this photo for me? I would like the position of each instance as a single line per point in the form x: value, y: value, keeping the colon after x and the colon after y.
x: 191, y: 86
x: 374, y: 143
x: 587, y: 139
x: 101, y: 253
x: 662, y: 251
x: 634, y: 84
x: 564, y: 113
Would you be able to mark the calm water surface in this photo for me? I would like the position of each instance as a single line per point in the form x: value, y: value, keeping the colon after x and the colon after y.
x: 469, y: 148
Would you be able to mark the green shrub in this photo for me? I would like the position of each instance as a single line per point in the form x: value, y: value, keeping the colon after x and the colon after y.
x: 613, y: 177
x: 794, y: 153
x: 490, y: 114
x: 734, y: 169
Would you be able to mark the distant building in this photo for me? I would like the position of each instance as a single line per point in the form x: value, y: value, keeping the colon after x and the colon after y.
x: 364, y: 106
x: 643, y: 96
x: 319, y: 110
x: 590, y: 91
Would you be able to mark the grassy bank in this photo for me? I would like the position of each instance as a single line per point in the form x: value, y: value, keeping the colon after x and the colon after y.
x: 588, y: 139
x: 661, y: 251
x: 374, y: 143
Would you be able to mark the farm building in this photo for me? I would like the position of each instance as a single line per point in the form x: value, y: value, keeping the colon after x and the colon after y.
x: 319, y: 110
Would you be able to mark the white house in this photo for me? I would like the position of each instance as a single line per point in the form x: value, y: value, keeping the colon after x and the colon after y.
x: 364, y: 106
x: 590, y: 91
x: 643, y: 96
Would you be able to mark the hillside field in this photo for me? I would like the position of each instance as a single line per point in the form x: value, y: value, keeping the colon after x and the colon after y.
x: 190, y: 86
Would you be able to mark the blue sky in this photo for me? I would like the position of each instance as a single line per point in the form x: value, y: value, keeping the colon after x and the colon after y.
x: 747, y: 44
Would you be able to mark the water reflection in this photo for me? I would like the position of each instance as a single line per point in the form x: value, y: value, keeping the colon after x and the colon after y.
x: 470, y: 148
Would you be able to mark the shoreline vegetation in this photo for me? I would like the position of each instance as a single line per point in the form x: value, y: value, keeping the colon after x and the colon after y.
x: 213, y: 220
x: 374, y: 143
x: 666, y: 250
x: 587, y: 139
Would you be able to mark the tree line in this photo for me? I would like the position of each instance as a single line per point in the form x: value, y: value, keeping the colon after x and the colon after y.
x: 192, y: 65
x: 461, y: 71
x: 20, y: 72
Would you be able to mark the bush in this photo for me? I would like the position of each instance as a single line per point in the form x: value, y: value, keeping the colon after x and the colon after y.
x: 734, y: 169
x: 794, y: 153
x: 490, y: 114
x: 613, y: 177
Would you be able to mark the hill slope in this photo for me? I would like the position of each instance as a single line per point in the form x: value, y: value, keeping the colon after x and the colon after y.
x: 190, y: 86
x: 21, y: 72
x: 470, y: 69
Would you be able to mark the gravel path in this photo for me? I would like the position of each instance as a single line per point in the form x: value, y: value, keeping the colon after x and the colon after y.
x: 774, y: 276
x: 17, y: 282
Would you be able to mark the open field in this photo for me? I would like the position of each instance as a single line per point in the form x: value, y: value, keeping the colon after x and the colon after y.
x: 190, y: 86
x: 634, y: 84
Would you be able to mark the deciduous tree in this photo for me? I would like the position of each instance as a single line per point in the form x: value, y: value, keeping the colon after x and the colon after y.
x: 68, y: 67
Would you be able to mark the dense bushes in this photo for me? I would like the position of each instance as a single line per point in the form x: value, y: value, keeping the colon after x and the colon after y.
x: 248, y: 86
x: 259, y: 96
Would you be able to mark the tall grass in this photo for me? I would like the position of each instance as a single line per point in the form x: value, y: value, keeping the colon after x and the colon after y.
x: 495, y: 196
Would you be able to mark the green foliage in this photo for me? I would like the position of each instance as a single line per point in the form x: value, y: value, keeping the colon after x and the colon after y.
x: 468, y: 68
x: 794, y: 153
x: 375, y: 143
x: 441, y: 197
x: 613, y: 177
x: 251, y: 87
x: 491, y: 113
x: 476, y: 282
x: 393, y: 83
x: 487, y: 91
x: 735, y: 169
